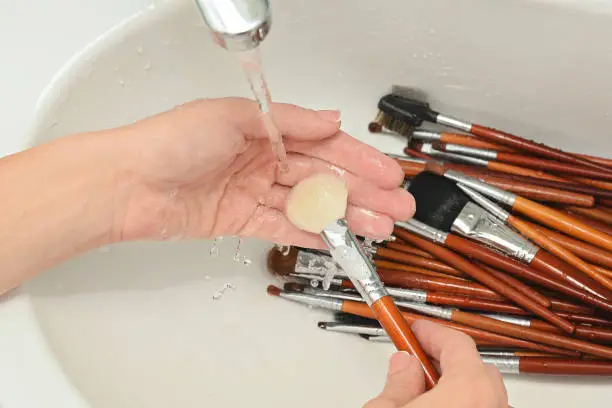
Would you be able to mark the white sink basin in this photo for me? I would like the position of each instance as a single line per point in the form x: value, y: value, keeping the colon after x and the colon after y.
x: 136, y: 325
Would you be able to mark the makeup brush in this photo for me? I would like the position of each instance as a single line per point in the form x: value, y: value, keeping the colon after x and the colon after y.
x: 414, y: 112
x: 412, y: 167
x: 485, y: 278
x: 545, y: 242
x: 419, y: 296
x: 472, y: 250
x: 442, y: 204
x: 539, y: 212
x: 549, y: 366
x: 528, y: 162
x: 439, y: 150
x: 425, y: 135
x: 509, y: 329
x: 361, y: 309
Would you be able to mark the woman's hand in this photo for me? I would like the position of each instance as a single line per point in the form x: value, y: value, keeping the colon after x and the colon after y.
x: 206, y: 169
x: 465, y: 381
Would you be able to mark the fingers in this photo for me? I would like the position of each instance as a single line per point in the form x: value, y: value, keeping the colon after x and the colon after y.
x: 350, y: 154
x: 497, y: 382
x: 405, y: 382
x: 455, y: 351
x: 395, y: 202
x: 362, y: 221
x: 293, y: 122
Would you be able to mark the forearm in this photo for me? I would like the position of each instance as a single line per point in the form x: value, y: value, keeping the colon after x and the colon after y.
x: 57, y: 200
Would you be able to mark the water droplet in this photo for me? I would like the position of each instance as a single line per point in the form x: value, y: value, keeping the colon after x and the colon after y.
x: 53, y: 124
x: 415, y: 55
x: 219, y: 294
x: 214, y: 249
x: 432, y: 31
x: 116, y: 69
x: 207, y: 277
x: 167, y: 41
x: 147, y: 66
x: 283, y: 249
x: 238, y: 257
x: 121, y: 82
x: 139, y: 49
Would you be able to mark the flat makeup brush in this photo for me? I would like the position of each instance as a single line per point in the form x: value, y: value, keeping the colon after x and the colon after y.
x: 472, y: 250
x: 412, y: 167
x: 529, y: 162
x: 443, y: 205
x: 361, y: 309
x: 485, y: 278
x: 511, y: 330
x: 543, y: 241
x: 416, y: 111
x: 539, y: 212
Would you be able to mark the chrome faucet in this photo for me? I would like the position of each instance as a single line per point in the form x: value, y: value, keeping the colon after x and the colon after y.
x: 237, y: 25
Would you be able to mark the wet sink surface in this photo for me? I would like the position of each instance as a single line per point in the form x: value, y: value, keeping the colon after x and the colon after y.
x: 136, y: 325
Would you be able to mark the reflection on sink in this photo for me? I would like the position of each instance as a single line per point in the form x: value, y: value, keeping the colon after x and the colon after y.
x: 136, y: 325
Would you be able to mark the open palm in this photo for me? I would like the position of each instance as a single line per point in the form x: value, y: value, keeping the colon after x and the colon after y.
x: 206, y: 169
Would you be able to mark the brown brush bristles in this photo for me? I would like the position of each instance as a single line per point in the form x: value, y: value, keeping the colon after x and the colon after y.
x: 376, y: 125
x: 397, y: 126
x: 274, y: 291
x: 279, y: 264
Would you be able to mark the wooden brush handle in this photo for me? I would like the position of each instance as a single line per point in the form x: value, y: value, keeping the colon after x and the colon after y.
x: 539, y: 149
x: 604, y: 185
x: 520, y: 171
x: 593, y: 334
x: 584, y: 319
x: 595, y: 213
x: 598, y: 287
x: 562, y: 222
x: 601, y: 160
x: 603, y: 271
x: 400, y: 333
x: 487, y: 279
x: 400, y: 246
x: 511, y: 266
x: 586, y: 251
x: 552, y: 166
x: 559, y: 305
x: 538, y: 365
x: 509, y: 329
x: 518, y: 285
x: 471, y: 141
x: 408, y: 259
x: 589, y: 221
x: 384, y: 264
x: 361, y: 309
x: 415, y: 281
x: 467, y: 302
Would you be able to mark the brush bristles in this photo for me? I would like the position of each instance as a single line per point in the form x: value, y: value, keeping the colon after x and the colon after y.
x: 274, y: 291
x: 397, y: 126
x: 439, y: 200
x: 282, y: 265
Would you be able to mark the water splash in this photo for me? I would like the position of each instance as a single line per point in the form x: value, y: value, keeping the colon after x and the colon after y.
x: 283, y: 249
x: 214, y: 248
x: 219, y: 294
x: 238, y: 257
x: 251, y: 64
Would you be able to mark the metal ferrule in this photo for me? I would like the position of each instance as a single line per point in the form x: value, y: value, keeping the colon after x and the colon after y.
x: 237, y: 25
x: 506, y: 365
x: 311, y: 278
x: 313, y: 301
x: 485, y: 203
x: 430, y: 150
x: 495, y: 193
x: 355, y: 329
x: 496, y: 353
x: 476, y: 223
x: 411, y: 295
x: 429, y: 310
x: 380, y: 339
x: 453, y: 122
x: 423, y: 230
x: 347, y: 253
x: 471, y: 151
x: 332, y: 294
x: 426, y: 135
x: 519, y: 321
x: 310, y: 263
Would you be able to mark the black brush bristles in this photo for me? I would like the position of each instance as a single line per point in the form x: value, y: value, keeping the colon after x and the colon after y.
x: 347, y: 318
x: 438, y: 200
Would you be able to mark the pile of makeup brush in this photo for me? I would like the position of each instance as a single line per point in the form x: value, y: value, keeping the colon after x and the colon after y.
x: 511, y: 244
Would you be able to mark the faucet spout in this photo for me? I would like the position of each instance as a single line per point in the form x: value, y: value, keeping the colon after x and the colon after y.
x: 237, y: 25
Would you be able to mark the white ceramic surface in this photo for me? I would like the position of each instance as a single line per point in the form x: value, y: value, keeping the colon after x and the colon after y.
x: 135, y: 325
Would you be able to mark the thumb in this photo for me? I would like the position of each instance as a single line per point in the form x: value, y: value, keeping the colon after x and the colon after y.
x: 405, y: 382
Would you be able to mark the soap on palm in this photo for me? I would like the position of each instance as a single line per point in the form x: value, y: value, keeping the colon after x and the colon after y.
x: 317, y: 201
